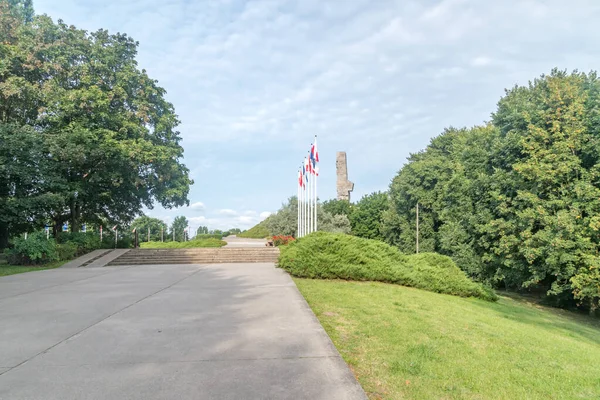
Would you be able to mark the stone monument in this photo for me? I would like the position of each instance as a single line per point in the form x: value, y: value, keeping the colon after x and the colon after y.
x: 344, y: 186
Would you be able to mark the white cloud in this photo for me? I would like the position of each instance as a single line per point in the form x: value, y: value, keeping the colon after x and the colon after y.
x: 227, y: 212
x: 265, y: 214
x: 197, y: 220
x: 253, y: 82
x: 481, y: 61
x: 197, y: 206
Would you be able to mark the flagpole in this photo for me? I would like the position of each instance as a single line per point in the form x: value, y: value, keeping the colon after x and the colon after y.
x: 316, y: 198
x: 298, y: 204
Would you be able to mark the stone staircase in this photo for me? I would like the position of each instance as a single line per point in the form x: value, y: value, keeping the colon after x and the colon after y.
x: 198, y: 256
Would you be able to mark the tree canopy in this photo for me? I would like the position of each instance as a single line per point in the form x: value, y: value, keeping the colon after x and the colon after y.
x: 92, y: 135
x: 515, y: 202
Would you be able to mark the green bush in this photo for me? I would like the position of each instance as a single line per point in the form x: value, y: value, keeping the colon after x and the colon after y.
x: 67, y: 251
x: 338, y: 256
x: 190, y: 244
x: 36, y: 249
x: 84, y: 242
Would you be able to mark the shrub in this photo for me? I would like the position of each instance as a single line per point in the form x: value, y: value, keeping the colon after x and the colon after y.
x: 67, y: 251
x: 84, y: 242
x: 36, y: 249
x: 282, y: 240
x: 338, y: 256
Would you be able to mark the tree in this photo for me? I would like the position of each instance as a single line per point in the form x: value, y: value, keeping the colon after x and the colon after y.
x: 178, y: 227
x: 516, y: 202
x: 334, y: 223
x: 366, y: 215
x: 285, y: 220
x: 106, y: 139
x: 337, y: 207
x: 202, y: 230
x: 158, y: 228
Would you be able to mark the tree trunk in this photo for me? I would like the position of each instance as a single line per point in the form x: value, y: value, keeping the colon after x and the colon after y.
x: 3, y: 235
x: 75, y: 215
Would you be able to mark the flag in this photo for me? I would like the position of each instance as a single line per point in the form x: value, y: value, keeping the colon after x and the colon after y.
x: 306, y: 169
x: 314, y: 152
x: 133, y: 231
x: 114, y: 228
x: 300, y: 181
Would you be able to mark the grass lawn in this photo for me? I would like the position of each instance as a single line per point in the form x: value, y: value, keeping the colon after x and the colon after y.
x: 19, y: 269
x: 406, y: 343
x: 190, y: 244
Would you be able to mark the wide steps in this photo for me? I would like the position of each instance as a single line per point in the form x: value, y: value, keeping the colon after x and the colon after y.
x: 198, y: 256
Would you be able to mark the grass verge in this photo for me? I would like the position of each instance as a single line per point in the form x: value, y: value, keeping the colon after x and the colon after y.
x: 338, y: 256
x: 190, y: 244
x: 405, y: 343
x: 6, y: 269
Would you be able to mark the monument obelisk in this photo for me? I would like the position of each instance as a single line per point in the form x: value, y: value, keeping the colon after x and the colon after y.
x: 344, y: 186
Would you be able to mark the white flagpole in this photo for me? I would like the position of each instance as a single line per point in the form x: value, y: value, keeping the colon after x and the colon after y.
x: 305, y: 181
x: 298, y: 203
x: 316, y: 197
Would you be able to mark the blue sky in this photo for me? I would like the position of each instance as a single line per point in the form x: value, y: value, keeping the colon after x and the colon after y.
x: 254, y: 81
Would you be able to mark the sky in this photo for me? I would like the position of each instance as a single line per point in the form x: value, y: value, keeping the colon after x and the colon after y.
x: 254, y: 81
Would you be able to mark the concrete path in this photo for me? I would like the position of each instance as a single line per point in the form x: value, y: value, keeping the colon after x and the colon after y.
x: 221, y: 331
x: 234, y: 241
x: 79, y: 261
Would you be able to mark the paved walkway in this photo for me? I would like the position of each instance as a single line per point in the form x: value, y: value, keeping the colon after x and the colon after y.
x: 234, y: 241
x: 232, y: 331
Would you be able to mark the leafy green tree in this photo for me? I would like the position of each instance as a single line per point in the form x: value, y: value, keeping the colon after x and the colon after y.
x: 334, y: 223
x: 105, y: 138
x: 202, y: 230
x: 178, y: 227
x: 285, y: 220
x: 337, y: 207
x: 366, y: 215
x: 156, y: 226
x: 516, y: 202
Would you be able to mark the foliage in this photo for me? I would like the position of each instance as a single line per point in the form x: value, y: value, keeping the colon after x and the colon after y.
x: 282, y: 240
x: 184, y: 245
x: 36, y: 249
x: 285, y: 221
x: 67, y: 251
x: 367, y: 214
x: 93, y: 137
x: 258, y: 231
x: 232, y: 231
x: 514, y: 203
x: 155, y: 225
x: 178, y: 228
x: 337, y: 207
x: 202, y: 230
x: 333, y: 223
x: 404, y: 343
x: 338, y: 256
x: 84, y: 242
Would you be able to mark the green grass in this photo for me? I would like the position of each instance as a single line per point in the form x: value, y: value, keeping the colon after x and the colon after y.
x: 184, y: 245
x: 405, y: 343
x: 6, y: 269
x: 259, y: 231
x: 338, y: 256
